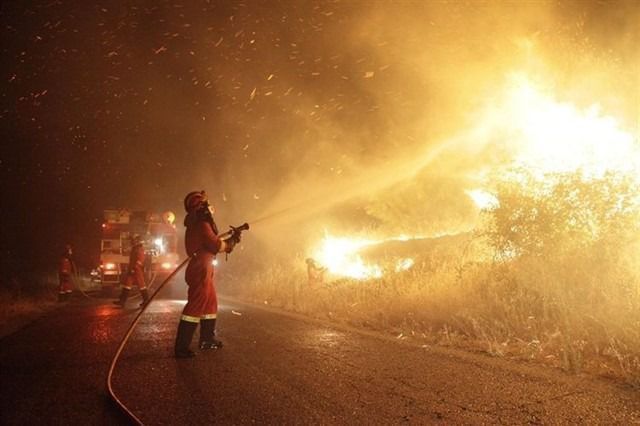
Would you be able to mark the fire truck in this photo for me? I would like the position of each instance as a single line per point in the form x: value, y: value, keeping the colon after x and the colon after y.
x: 158, y: 233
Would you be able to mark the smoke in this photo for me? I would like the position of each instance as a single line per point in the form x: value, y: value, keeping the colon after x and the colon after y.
x: 323, y: 114
x: 390, y: 138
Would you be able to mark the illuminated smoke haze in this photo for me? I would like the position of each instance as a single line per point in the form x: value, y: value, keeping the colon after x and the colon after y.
x: 349, y: 115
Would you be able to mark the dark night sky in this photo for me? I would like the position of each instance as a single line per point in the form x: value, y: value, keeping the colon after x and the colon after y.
x: 133, y: 104
x: 113, y: 105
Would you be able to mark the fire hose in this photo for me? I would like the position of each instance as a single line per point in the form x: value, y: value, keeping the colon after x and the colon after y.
x: 76, y: 279
x: 125, y: 339
x: 234, y: 232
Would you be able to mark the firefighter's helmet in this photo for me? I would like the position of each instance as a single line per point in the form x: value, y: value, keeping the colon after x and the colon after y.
x: 136, y: 239
x: 193, y: 200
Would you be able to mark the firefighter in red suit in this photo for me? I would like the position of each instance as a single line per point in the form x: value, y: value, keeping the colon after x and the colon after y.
x: 202, y: 243
x: 136, y: 273
x: 66, y: 270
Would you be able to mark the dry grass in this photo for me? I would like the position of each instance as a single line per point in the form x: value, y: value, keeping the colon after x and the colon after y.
x: 580, y: 313
x: 507, y: 309
x: 553, y: 275
x: 15, y: 311
x: 21, y: 302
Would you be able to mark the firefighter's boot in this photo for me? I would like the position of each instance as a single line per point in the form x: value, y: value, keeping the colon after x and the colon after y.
x: 208, y: 335
x: 124, y: 295
x: 145, y: 297
x: 62, y: 297
x: 186, y: 329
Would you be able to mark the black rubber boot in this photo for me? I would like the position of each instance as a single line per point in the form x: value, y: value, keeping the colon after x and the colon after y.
x: 208, y: 335
x: 186, y: 330
x: 62, y: 297
x: 145, y: 297
x: 124, y: 295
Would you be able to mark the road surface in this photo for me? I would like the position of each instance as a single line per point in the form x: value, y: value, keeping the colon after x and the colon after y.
x: 276, y: 369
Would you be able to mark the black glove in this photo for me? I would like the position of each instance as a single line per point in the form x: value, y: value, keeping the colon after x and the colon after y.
x: 235, y: 238
x: 229, y: 244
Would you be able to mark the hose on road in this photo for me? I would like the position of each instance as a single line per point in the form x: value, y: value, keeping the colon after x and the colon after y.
x: 124, y: 341
x: 77, y: 278
x: 132, y: 417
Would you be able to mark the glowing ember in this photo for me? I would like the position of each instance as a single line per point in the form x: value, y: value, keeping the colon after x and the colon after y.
x: 340, y: 255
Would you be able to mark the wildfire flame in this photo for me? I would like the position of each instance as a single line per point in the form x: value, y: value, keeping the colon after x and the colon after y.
x: 538, y: 133
x: 483, y: 199
x: 544, y: 135
x: 558, y: 137
x: 341, y: 257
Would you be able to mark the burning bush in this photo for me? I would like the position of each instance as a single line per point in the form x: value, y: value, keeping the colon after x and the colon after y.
x: 575, y: 235
x: 564, y: 213
x: 552, y: 274
x: 568, y: 249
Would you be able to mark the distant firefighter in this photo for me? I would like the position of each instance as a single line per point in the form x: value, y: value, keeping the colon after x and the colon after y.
x: 66, y: 271
x: 136, y: 273
x: 202, y: 243
x: 315, y: 272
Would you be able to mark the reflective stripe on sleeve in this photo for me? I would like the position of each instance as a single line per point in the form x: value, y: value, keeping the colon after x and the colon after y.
x: 190, y: 318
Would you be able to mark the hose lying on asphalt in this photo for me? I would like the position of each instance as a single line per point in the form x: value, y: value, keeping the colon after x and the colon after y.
x: 76, y: 279
x: 132, y: 417
x: 124, y: 341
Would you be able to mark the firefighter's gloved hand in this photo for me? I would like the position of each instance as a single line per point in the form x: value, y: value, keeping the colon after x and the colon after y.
x: 229, y: 245
x: 236, y: 237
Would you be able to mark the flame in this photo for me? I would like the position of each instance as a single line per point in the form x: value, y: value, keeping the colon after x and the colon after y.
x: 483, y: 199
x: 543, y: 135
x: 553, y: 136
x: 340, y: 255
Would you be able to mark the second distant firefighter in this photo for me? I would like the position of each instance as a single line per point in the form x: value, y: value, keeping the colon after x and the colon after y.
x: 136, y: 273
x: 66, y: 270
x: 315, y: 272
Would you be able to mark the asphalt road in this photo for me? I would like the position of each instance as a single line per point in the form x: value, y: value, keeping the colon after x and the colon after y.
x: 276, y: 369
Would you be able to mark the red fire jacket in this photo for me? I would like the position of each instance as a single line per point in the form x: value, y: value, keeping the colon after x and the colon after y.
x: 66, y: 269
x: 202, y: 242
